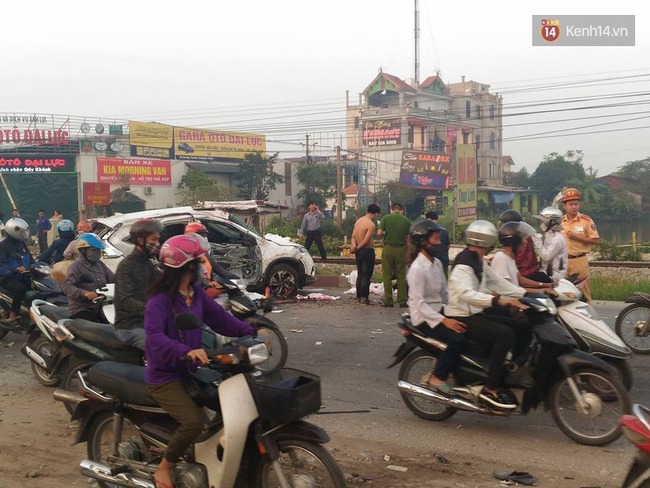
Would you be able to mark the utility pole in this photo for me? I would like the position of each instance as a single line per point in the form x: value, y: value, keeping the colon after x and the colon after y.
x: 307, y: 148
x: 417, y: 45
x: 339, y: 185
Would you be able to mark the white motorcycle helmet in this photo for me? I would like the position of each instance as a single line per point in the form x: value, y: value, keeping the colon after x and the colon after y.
x: 550, y: 218
x: 18, y: 229
x: 481, y: 233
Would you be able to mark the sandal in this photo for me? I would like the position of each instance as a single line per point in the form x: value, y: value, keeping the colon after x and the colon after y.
x: 521, y: 477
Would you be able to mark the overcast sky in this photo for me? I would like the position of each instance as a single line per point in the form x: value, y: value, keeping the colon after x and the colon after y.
x: 278, y: 67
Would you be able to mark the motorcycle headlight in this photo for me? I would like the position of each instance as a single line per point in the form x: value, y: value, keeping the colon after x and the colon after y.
x: 257, y: 354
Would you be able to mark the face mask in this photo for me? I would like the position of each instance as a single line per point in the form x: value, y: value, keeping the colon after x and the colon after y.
x: 93, y: 255
x: 153, y: 248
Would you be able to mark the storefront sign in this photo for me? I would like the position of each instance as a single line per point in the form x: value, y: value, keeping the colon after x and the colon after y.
x: 97, y: 193
x: 467, y: 203
x: 37, y: 163
x: 33, y: 137
x: 209, y: 145
x: 137, y: 172
x: 151, y: 140
x: 425, y: 170
x: 382, y: 132
x: 115, y: 129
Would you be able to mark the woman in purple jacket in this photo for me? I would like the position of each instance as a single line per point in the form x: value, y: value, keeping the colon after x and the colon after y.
x: 173, y: 354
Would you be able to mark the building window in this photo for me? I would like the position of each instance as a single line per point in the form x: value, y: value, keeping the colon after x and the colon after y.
x: 491, y: 112
x: 287, y: 179
x: 356, y: 122
x: 479, y: 112
x: 477, y: 141
x: 493, y: 170
x: 468, y: 109
x: 410, y: 134
x: 465, y: 137
x: 492, y: 141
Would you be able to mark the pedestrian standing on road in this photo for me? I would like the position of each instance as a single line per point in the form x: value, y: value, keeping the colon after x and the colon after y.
x: 441, y: 251
x: 580, y: 234
x: 362, y: 247
x: 310, y: 228
x: 15, y: 213
x: 394, y: 227
x: 427, y: 296
x: 57, y: 215
x: 43, y: 225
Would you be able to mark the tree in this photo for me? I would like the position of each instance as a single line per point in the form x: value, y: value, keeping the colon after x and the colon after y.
x: 519, y: 178
x: 195, y: 186
x: 392, y: 191
x: 319, y: 181
x: 555, y: 172
x: 638, y: 173
x: 256, y: 178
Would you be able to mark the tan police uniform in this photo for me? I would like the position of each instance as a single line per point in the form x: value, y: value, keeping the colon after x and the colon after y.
x: 577, y: 251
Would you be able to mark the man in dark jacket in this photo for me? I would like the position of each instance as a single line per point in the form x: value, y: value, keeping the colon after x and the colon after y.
x: 135, y: 275
x: 54, y: 253
x: 15, y: 258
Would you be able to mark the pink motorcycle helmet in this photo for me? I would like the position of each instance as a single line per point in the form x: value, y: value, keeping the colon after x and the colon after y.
x: 179, y: 250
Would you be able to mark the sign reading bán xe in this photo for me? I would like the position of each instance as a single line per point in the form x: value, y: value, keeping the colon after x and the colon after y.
x: 137, y: 172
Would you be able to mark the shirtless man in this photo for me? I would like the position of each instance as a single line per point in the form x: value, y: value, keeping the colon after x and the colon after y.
x: 364, y: 252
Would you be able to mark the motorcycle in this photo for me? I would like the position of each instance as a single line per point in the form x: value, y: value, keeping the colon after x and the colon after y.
x: 255, y: 436
x: 633, y: 323
x: 591, y: 333
x: 636, y: 427
x: 42, y: 287
x: 244, y: 305
x: 584, y: 394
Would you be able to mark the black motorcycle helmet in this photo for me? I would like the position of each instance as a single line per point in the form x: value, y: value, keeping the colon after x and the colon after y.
x: 510, y: 215
x: 510, y: 235
x: 420, y: 232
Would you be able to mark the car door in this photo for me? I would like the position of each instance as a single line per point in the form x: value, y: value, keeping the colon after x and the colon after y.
x: 234, y: 249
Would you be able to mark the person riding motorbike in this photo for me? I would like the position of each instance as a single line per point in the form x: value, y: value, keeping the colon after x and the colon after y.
x: 427, y: 295
x: 71, y: 251
x: 210, y: 266
x: 134, y: 276
x: 525, y: 258
x: 551, y: 247
x: 174, y: 292
x: 54, y: 253
x: 474, y: 287
x: 86, y: 275
x: 15, y: 258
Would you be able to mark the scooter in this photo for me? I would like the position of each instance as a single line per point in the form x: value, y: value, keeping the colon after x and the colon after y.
x: 42, y: 287
x: 591, y: 333
x: 636, y: 428
x: 255, y: 436
x: 633, y: 323
x: 584, y: 394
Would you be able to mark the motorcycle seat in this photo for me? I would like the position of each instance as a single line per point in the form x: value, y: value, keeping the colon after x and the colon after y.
x: 97, y: 333
x: 55, y: 313
x: 124, y: 381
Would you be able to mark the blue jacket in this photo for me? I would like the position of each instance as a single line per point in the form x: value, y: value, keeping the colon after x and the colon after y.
x: 43, y: 225
x: 54, y: 253
x: 13, y: 254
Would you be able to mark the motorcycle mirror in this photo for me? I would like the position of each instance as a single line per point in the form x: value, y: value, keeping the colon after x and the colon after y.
x: 187, y: 321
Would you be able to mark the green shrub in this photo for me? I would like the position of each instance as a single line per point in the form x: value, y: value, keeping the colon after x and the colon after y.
x: 609, y: 251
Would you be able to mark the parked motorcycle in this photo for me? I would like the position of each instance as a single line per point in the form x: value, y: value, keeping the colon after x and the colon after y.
x: 584, y: 394
x: 245, y: 305
x: 255, y: 437
x: 633, y: 323
x: 592, y: 334
x: 636, y: 428
x: 42, y: 287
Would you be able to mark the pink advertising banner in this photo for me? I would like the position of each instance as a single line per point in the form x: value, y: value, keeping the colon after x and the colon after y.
x: 135, y: 171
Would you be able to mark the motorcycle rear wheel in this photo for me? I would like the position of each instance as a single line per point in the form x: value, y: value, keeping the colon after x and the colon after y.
x: 101, y: 439
x: 44, y: 347
x: 626, y: 324
x: 304, y: 464
x: 278, y: 347
x: 600, y: 425
x: 413, y: 369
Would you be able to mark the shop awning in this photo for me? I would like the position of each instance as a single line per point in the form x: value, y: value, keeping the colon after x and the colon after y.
x: 502, y: 196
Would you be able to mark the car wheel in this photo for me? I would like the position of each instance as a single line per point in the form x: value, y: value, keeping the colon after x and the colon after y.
x: 283, y: 281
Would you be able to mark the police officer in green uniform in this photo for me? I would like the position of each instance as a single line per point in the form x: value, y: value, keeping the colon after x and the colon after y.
x: 394, y: 227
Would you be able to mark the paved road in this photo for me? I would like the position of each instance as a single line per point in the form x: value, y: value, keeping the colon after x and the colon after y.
x: 350, y: 345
